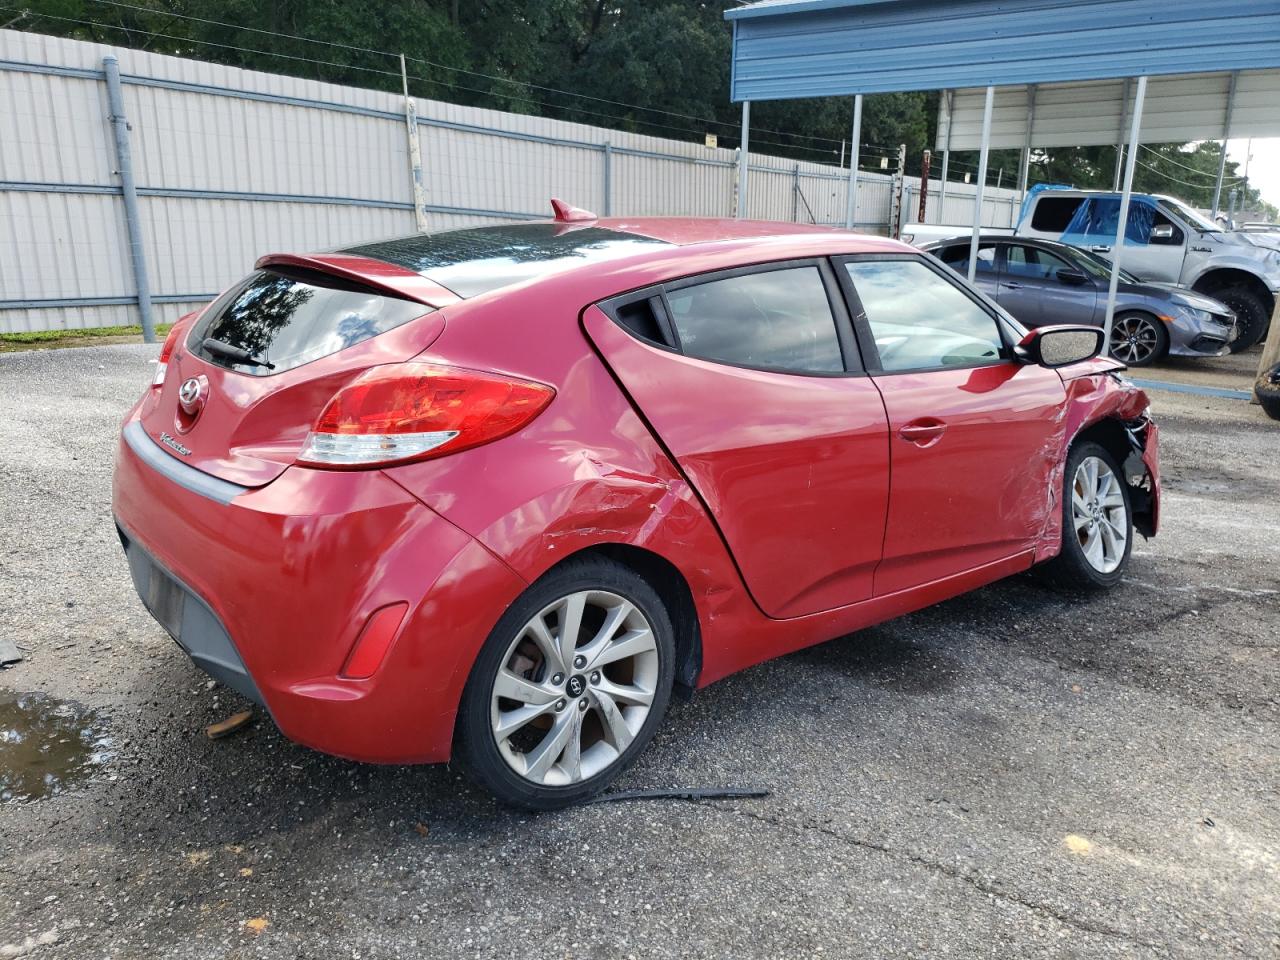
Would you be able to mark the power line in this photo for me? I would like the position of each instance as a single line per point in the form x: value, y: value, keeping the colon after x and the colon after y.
x: 475, y: 73
x: 389, y: 73
x: 824, y: 152
x: 1203, y: 173
x: 1170, y: 177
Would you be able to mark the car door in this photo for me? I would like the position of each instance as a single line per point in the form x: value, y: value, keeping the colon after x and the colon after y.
x: 1037, y: 287
x: 751, y: 380
x: 974, y: 436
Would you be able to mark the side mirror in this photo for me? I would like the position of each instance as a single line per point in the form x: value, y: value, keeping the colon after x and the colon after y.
x: 1163, y: 233
x: 1059, y: 346
x: 1073, y: 278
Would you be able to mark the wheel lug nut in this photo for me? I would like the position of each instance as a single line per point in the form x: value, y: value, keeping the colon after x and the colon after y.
x: 558, y: 678
x: 561, y: 704
x: 579, y: 661
x: 595, y: 677
x: 582, y: 704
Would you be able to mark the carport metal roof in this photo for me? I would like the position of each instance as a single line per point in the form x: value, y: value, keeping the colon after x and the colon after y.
x: 1078, y: 71
x: 1093, y: 113
x: 783, y: 49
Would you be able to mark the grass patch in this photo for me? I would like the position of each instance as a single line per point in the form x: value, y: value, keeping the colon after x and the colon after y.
x: 41, y: 339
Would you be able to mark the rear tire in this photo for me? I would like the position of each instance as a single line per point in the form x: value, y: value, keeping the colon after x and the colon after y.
x: 549, y: 719
x: 1251, y: 315
x: 1097, y: 522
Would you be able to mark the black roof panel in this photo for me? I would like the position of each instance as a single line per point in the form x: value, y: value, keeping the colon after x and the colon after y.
x: 475, y: 261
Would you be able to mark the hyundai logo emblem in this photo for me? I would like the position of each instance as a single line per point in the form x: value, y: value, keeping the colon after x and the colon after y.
x: 191, y: 395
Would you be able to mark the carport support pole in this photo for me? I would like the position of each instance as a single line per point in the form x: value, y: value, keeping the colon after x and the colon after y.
x: 1124, y: 115
x: 129, y: 191
x: 1226, y: 134
x: 982, y: 182
x: 1129, y: 161
x: 744, y: 165
x: 1024, y: 169
x: 950, y: 97
x: 851, y: 203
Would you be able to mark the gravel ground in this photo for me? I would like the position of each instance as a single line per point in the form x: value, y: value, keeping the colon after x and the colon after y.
x: 1018, y: 772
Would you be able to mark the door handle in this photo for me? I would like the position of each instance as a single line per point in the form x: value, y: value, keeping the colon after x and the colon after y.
x: 924, y: 432
x: 1100, y: 248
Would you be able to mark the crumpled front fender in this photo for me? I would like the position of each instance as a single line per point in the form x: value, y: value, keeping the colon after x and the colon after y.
x: 1097, y: 395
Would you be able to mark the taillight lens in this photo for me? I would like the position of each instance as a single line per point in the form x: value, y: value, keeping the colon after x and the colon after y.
x: 166, y: 351
x: 414, y: 411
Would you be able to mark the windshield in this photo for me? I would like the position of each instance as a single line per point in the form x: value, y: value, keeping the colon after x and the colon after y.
x: 1100, y: 269
x: 1199, y: 222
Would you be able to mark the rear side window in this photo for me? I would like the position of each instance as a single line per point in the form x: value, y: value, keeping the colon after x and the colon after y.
x: 919, y: 319
x: 778, y: 319
x: 282, y: 320
x: 957, y: 258
x: 1053, y: 214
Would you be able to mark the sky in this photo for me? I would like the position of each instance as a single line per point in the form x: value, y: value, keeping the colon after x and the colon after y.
x: 1264, y: 167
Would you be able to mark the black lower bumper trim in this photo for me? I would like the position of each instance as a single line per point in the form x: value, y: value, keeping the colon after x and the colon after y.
x: 188, y: 619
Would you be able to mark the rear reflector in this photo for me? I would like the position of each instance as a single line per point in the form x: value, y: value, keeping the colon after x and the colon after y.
x: 413, y: 411
x: 374, y: 640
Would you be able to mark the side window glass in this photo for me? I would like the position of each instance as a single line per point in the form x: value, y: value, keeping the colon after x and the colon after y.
x: 1097, y: 220
x: 919, y: 320
x: 777, y: 319
x: 1053, y: 214
x: 1032, y: 263
x: 957, y: 258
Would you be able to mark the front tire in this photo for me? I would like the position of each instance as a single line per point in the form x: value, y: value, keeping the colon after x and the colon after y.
x: 1251, y: 315
x: 569, y: 688
x: 1138, y: 339
x: 1097, y: 521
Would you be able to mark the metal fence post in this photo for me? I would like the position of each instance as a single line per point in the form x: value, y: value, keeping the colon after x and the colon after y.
x: 608, y: 179
x: 415, y: 153
x: 851, y: 197
x: 129, y: 191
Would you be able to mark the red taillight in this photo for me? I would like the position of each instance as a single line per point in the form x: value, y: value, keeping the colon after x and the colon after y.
x: 413, y: 411
x: 166, y: 351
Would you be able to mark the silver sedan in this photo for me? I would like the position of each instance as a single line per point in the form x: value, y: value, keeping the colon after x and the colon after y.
x: 1041, y: 282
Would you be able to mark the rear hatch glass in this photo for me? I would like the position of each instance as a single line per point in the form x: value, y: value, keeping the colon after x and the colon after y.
x: 263, y: 361
x: 282, y: 318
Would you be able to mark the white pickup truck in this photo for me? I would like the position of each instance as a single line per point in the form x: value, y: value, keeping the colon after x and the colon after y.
x: 1165, y: 241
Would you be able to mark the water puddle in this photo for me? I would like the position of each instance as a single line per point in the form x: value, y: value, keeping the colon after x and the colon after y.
x: 47, y: 745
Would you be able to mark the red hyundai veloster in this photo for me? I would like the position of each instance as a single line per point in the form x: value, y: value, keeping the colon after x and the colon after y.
x: 491, y: 494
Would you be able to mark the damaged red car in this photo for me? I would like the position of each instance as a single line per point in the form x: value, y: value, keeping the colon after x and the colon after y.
x: 492, y: 495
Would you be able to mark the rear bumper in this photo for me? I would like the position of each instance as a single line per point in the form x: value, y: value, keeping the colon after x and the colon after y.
x: 188, y: 620
x: 267, y: 590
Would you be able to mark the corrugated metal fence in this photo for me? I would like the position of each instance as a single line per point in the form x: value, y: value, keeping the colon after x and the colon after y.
x: 231, y: 163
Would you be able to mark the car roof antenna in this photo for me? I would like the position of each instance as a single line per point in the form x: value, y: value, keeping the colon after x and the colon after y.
x: 566, y: 213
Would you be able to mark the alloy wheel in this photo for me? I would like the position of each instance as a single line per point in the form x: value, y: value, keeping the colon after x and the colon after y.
x: 1134, y: 339
x: 1099, y: 514
x: 574, y: 688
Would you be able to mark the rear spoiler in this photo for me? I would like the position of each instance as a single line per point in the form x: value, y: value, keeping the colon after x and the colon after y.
x: 387, y: 277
